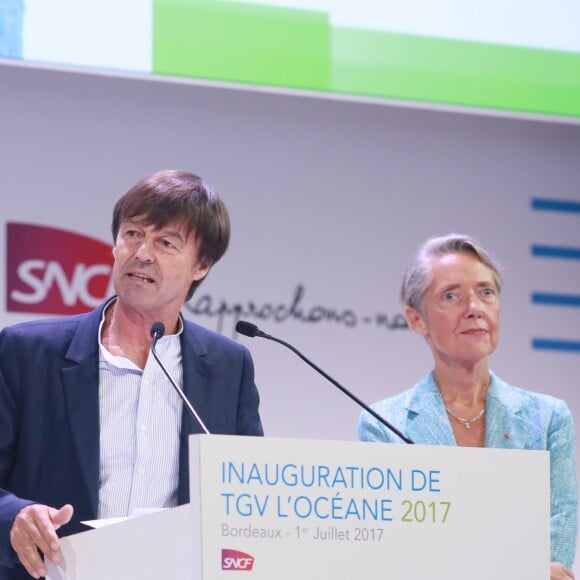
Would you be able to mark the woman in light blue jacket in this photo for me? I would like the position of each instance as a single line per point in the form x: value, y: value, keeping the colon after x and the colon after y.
x: 451, y: 298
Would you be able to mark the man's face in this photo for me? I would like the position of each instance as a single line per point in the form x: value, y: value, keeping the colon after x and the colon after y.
x: 154, y: 268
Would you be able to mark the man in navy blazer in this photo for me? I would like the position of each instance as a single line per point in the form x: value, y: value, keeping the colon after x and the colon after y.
x: 74, y: 402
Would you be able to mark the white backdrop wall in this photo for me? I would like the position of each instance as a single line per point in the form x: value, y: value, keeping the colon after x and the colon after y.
x: 330, y: 196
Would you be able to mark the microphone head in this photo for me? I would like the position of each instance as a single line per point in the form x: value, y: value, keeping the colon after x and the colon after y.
x: 157, y: 330
x: 247, y: 328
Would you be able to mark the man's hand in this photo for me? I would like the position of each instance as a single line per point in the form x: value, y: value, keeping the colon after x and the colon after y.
x: 34, y: 529
x: 560, y: 572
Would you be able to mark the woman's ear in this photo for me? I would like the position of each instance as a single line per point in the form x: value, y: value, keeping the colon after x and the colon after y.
x: 415, y: 320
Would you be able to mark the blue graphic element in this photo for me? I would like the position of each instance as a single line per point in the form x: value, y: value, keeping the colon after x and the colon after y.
x: 554, y: 344
x: 11, y: 17
x: 555, y: 205
x: 541, y: 251
x: 556, y: 299
x: 558, y: 252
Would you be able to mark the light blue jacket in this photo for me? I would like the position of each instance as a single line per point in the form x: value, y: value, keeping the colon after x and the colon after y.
x: 515, y: 419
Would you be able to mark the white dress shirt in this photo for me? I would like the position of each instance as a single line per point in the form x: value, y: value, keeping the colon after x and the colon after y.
x: 140, y: 423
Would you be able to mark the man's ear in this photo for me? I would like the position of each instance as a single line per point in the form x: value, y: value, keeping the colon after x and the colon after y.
x: 415, y: 320
x: 202, y: 269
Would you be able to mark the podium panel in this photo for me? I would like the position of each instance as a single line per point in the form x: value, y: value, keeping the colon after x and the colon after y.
x: 310, y: 509
x: 151, y: 547
x: 264, y: 508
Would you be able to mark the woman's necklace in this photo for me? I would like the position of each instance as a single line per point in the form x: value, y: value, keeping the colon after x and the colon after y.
x: 467, y: 423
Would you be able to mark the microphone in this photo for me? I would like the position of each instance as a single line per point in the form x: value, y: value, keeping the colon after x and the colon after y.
x: 251, y: 330
x: 157, y: 331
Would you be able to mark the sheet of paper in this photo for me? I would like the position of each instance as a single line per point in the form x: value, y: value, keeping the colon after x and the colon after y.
x: 139, y: 512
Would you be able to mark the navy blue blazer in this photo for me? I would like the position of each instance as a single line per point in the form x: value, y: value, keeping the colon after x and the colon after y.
x: 49, y: 412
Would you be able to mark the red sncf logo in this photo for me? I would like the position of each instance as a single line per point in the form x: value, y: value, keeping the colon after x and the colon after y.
x: 236, y: 560
x: 53, y: 271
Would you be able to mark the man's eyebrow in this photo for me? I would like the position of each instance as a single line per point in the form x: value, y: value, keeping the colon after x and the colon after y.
x: 173, y: 233
x: 163, y: 231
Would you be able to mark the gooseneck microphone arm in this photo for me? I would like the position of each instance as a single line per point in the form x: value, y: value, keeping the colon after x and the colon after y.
x: 157, y: 331
x: 251, y: 330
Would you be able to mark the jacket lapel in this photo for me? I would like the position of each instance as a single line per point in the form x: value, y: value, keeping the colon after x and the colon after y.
x: 505, y: 427
x: 196, y: 378
x: 197, y: 373
x: 427, y: 418
x: 80, y: 375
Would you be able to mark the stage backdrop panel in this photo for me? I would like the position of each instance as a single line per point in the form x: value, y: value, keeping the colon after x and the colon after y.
x: 328, y: 199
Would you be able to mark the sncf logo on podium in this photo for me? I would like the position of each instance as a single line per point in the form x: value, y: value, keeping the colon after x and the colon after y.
x: 237, y: 561
x: 53, y: 271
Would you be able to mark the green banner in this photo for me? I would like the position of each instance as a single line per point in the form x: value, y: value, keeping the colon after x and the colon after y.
x: 273, y: 46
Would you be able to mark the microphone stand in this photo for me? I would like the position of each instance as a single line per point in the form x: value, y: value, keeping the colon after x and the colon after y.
x: 251, y: 330
x: 157, y: 331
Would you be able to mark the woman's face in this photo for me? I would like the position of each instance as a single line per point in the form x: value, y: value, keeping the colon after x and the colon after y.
x: 460, y: 310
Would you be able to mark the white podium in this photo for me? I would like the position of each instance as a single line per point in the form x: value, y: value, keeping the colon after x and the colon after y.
x: 269, y: 508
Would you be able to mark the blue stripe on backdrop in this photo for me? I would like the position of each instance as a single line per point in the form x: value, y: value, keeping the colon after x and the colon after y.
x: 555, y: 205
x: 555, y: 344
x: 541, y: 251
x: 553, y: 299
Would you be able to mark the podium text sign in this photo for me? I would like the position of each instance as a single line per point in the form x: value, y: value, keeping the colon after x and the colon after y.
x: 325, y: 509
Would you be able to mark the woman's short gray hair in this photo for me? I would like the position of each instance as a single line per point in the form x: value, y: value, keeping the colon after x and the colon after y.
x: 418, y: 275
